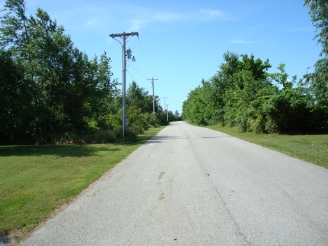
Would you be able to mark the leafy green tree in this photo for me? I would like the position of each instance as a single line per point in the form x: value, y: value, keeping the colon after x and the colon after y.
x: 193, y: 107
x: 137, y: 121
x: 15, y: 100
x: 319, y: 15
x: 71, y: 93
x: 240, y: 82
x: 14, y: 29
x: 138, y: 97
x: 176, y: 116
x: 318, y: 80
x: 243, y: 94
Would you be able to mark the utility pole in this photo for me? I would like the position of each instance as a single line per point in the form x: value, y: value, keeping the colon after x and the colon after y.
x: 164, y: 103
x: 125, y: 54
x: 167, y: 112
x: 152, y: 83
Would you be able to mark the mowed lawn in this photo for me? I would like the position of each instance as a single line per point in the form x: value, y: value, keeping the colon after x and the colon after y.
x: 37, y: 180
x: 310, y: 148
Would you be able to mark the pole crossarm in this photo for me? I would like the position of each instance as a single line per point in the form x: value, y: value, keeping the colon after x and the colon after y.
x: 124, y: 34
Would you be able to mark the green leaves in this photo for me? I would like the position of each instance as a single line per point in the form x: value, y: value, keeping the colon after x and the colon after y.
x: 67, y: 92
x: 319, y: 15
x: 15, y: 99
x: 318, y: 80
x: 244, y: 95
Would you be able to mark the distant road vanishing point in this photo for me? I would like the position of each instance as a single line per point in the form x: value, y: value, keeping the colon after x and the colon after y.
x: 194, y: 186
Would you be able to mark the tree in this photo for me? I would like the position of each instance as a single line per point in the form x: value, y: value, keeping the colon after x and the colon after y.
x: 70, y: 92
x: 14, y: 29
x: 15, y: 100
x: 319, y: 15
x: 318, y: 80
x: 177, y: 116
x: 138, y: 97
x: 245, y: 81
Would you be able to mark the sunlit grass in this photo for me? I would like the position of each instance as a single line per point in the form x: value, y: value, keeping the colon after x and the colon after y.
x: 310, y: 148
x: 36, y: 180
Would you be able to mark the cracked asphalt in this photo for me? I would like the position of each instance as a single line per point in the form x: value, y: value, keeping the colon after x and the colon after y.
x: 194, y: 186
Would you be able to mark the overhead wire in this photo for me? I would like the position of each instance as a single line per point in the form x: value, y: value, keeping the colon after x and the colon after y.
x: 131, y: 75
x: 135, y: 67
x: 146, y: 57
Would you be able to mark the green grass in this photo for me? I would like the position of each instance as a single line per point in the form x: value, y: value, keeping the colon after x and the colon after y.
x: 310, y: 148
x: 36, y: 180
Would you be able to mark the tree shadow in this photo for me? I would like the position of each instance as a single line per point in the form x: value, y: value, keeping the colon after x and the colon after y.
x: 163, y: 138
x: 160, y: 139
x: 4, y: 239
x: 73, y: 150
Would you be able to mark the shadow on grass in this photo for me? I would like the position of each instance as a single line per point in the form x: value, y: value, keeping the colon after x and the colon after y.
x: 73, y: 150
x: 57, y: 150
x: 4, y: 239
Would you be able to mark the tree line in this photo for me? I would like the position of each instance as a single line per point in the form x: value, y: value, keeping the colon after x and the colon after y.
x: 244, y: 95
x: 50, y: 91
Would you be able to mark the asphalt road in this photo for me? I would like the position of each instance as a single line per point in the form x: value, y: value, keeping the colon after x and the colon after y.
x: 194, y: 186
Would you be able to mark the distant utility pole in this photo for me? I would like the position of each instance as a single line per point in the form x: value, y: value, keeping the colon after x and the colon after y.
x: 167, y: 112
x: 152, y: 84
x: 125, y: 54
x: 164, y: 103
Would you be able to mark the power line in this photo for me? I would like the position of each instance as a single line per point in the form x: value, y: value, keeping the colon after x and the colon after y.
x: 145, y: 56
x: 135, y: 67
x: 131, y: 75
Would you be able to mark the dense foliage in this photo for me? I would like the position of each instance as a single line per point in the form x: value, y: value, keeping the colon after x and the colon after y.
x: 245, y: 95
x: 318, y: 80
x: 52, y: 92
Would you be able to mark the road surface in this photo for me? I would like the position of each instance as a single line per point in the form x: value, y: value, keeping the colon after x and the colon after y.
x: 195, y: 186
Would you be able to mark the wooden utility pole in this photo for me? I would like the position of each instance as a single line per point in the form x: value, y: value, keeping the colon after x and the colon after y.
x: 152, y: 84
x: 124, y: 55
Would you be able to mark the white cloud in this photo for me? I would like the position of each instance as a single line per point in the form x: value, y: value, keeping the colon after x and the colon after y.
x: 91, y: 23
x: 212, y: 14
x: 147, y: 16
x: 167, y: 17
x: 239, y: 41
x: 136, y: 24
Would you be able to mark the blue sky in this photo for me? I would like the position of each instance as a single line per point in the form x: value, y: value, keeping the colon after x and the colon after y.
x: 182, y: 42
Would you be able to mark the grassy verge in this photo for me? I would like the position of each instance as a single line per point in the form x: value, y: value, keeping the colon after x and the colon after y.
x: 36, y: 180
x: 310, y: 148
